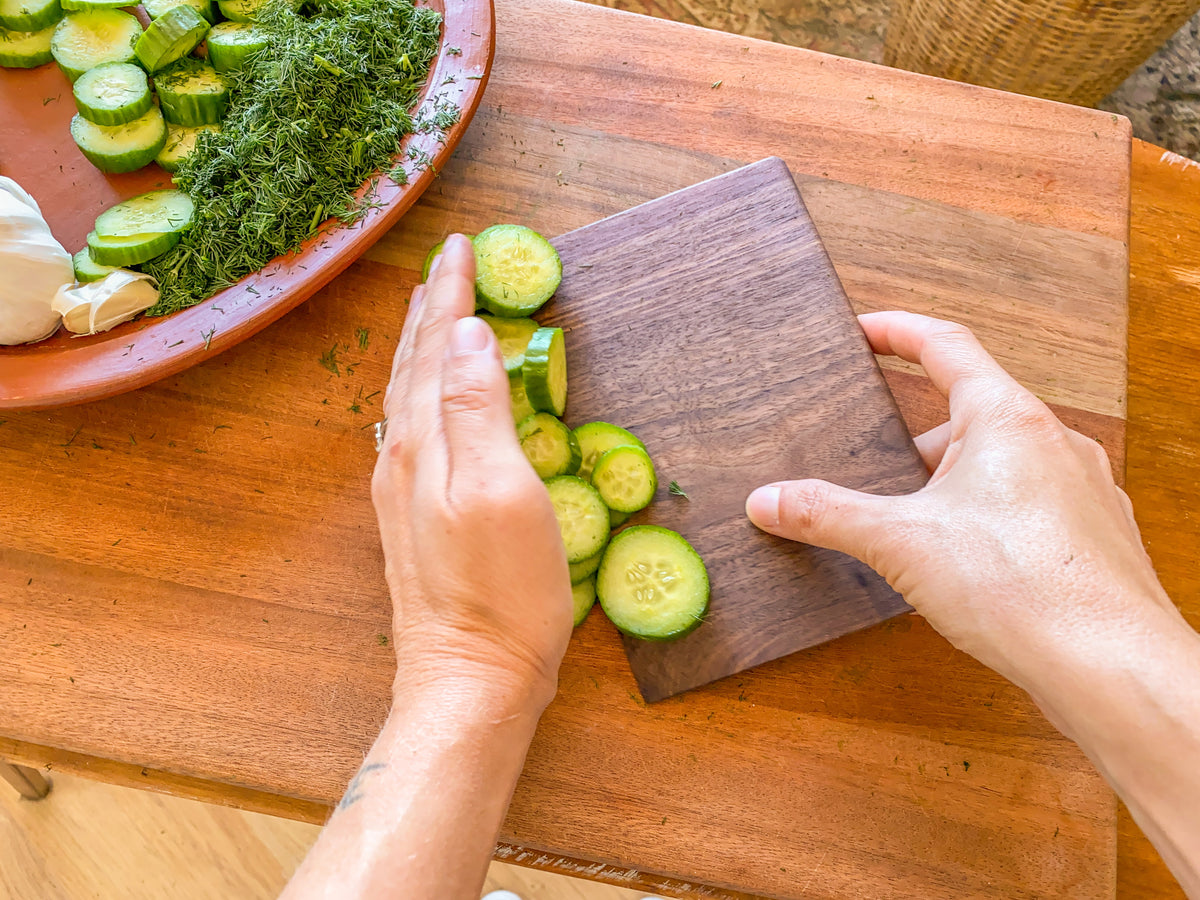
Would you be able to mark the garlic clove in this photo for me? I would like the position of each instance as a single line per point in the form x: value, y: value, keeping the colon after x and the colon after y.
x: 100, y: 305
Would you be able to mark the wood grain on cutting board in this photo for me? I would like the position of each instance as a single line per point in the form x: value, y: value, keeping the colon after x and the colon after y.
x: 226, y: 511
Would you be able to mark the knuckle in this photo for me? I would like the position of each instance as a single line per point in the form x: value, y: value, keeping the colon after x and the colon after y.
x: 802, y: 506
x: 468, y: 395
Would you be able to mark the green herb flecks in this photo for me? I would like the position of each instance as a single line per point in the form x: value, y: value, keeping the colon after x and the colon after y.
x: 675, y: 489
x: 324, y: 106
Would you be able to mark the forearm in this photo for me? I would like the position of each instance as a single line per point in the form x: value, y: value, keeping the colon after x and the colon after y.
x: 420, y: 819
x: 1131, y: 700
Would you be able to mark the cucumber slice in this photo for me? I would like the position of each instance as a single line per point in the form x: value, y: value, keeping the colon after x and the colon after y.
x: 191, y: 92
x: 583, y: 598
x: 171, y: 36
x: 85, y: 5
x: 156, y: 8
x: 87, y: 269
x: 545, y: 370
x: 241, y: 10
x: 549, y: 445
x: 155, y: 212
x: 516, y: 270
x: 596, y: 439
x: 113, y: 94
x: 181, y: 141
x: 121, y: 148
x: 652, y: 584
x: 131, y: 250
x: 521, y: 407
x: 25, y: 49
x: 84, y: 40
x: 513, y: 336
x: 29, y: 15
x: 586, y: 569
x: 625, y: 478
x: 230, y: 44
x: 582, y: 516
x: 433, y: 254
x: 617, y: 519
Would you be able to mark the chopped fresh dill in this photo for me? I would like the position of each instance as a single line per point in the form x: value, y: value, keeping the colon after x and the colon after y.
x: 678, y: 491
x: 329, y: 360
x: 311, y: 117
x: 717, y: 84
x: 364, y: 337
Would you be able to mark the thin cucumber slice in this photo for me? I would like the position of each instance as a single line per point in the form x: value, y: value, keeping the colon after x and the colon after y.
x: 171, y: 36
x: 516, y: 270
x: 617, y: 519
x: 29, y: 15
x: 84, y: 40
x: 513, y: 336
x: 545, y: 370
x: 625, y: 478
x: 152, y: 212
x: 549, y: 445
x: 87, y: 269
x: 113, y: 94
x: 583, y: 598
x: 652, y: 583
x: 582, y: 516
x: 131, y: 250
x: 597, y: 438
x: 25, y: 49
x: 230, y: 44
x: 191, y: 92
x: 85, y: 5
x: 241, y: 10
x: 521, y: 407
x: 181, y: 141
x: 585, y: 569
x: 121, y: 148
x: 433, y: 254
x: 156, y: 8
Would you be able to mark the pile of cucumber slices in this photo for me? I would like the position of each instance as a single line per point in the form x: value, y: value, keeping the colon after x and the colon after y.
x: 110, y: 60
x: 649, y: 580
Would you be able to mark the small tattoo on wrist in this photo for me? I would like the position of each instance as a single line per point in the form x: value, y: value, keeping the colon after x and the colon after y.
x: 355, y: 791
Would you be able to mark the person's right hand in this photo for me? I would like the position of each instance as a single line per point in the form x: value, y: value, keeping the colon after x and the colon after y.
x: 1020, y: 546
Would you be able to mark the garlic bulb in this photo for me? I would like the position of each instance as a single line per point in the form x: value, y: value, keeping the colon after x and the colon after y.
x: 33, y: 265
x: 99, y: 305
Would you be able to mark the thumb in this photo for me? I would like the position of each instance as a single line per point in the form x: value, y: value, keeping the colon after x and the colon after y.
x: 821, y: 514
x: 476, y: 410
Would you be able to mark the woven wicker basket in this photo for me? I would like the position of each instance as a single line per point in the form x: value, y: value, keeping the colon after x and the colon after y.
x: 1076, y: 51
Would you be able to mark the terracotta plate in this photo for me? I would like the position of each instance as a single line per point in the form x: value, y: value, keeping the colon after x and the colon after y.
x: 36, y: 149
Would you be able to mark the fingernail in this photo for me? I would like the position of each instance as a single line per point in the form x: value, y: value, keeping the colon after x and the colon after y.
x: 455, y: 240
x: 762, y: 506
x: 470, y: 335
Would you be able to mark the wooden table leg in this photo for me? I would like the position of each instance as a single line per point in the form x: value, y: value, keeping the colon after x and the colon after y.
x: 30, y: 783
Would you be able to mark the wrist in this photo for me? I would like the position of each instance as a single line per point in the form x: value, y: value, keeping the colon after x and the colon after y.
x: 465, y: 685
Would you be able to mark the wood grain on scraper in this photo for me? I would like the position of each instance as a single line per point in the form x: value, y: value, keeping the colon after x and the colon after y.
x: 712, y: 324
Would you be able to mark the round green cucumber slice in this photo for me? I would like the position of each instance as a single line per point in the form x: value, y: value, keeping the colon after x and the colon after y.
x: 625, y: 478
x: 652, y: 584
x: 521, y: 407
x: 130, y: 250
x: 25, y: 49
x: 156, y: 8
x: 171, y: 36
x: 82, y: 5
x: 112, y: 94
x: 513, y: 336
x: 583, y: 598
x: 87, y: 269
x: 230, y: 44
x: 582, y: 516
x: 548, y: 445
x: 152, y: 212
x: 545, y: 370
x: 191, y: 92
x: 585, y: 569
x: 617, y: 519
x: 240, y: 10
x: 181, y: 142
x: 516, y: 270
x: 29, y: 15
x: 120, y: 148
x: 596, y: 438
x: 84, y: 40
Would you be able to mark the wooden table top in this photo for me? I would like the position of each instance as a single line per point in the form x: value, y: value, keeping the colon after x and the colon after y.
x: 190, y: 586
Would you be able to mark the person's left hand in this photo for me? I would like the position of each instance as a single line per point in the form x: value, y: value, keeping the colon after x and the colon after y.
x: 475, y: 563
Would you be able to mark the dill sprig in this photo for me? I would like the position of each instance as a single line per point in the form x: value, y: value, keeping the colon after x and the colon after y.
x: 324, y: 106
